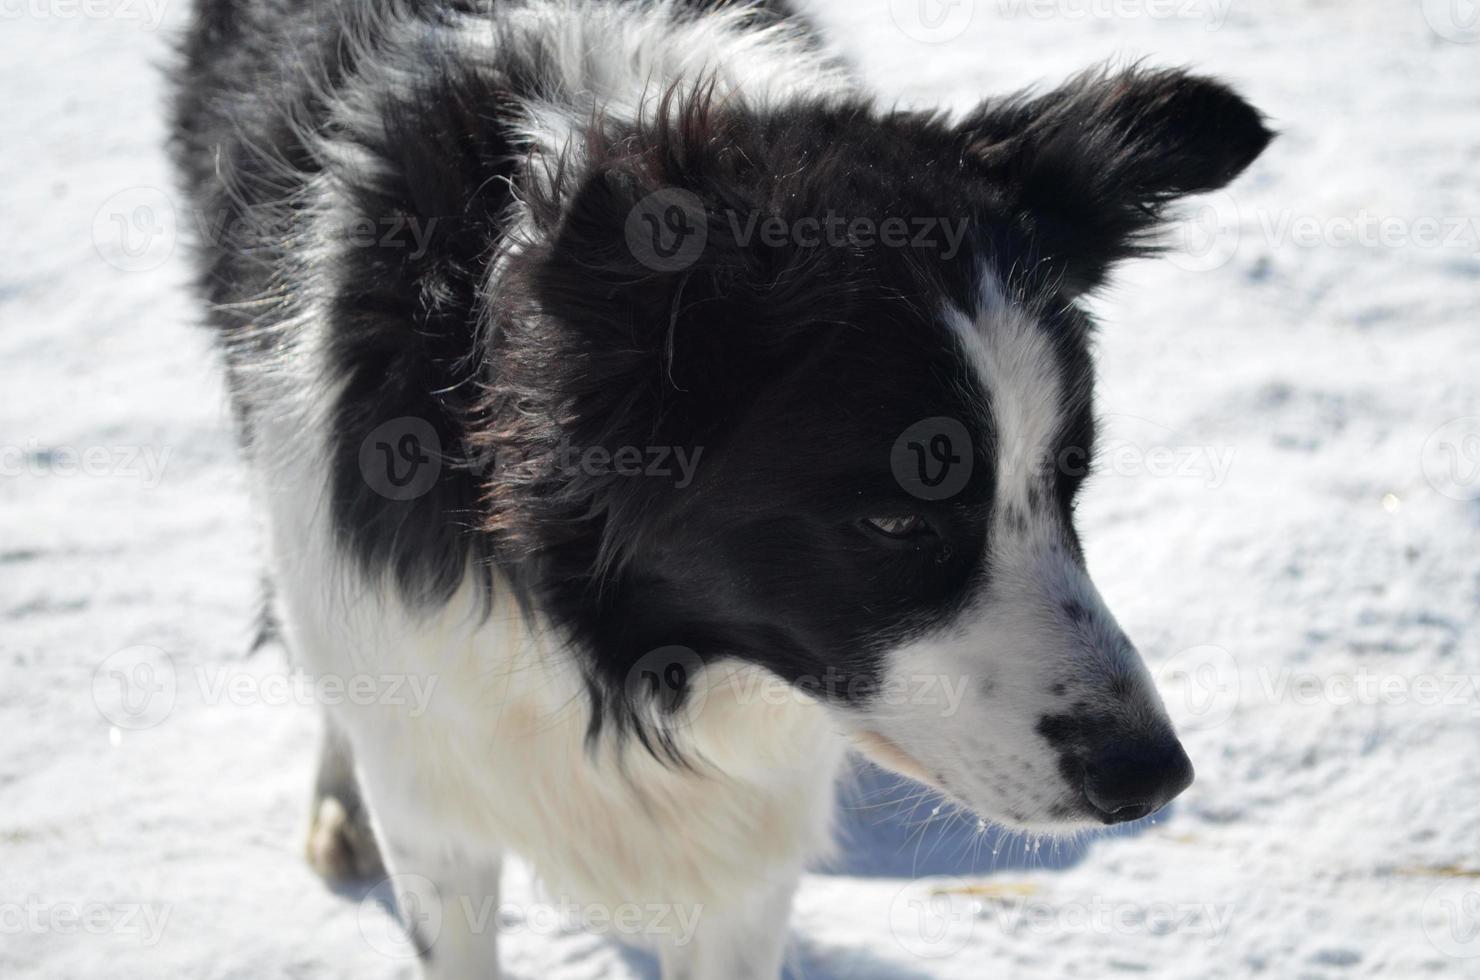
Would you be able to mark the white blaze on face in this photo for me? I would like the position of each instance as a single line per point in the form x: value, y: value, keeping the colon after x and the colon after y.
x: 1017, y: 371
x: 1036, y: 641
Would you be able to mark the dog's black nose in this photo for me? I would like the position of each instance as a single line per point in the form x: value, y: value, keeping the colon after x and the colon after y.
x: 1131, y: 782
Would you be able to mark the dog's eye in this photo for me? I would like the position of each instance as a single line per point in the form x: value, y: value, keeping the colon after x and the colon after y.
x: 897, y: 527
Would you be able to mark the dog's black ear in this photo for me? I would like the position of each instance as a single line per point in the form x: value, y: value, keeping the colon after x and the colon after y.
x: 1091, y: 165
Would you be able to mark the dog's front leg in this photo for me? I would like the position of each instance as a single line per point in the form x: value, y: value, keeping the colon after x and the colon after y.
x: 742, y: 941
x: 448, y: 904
x: 446, y: 893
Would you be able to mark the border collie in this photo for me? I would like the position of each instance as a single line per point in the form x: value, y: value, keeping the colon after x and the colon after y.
x: 684, y: 416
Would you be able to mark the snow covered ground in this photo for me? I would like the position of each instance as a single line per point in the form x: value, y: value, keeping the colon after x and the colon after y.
x: 1286, y: 523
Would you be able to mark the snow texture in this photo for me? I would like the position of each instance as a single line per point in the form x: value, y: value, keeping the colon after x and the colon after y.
x: 1285, y: 521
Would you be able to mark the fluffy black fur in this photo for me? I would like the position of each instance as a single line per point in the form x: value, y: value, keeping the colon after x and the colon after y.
x: 790, y: 369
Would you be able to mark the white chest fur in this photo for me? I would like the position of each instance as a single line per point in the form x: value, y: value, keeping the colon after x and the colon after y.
x: 480, y: 742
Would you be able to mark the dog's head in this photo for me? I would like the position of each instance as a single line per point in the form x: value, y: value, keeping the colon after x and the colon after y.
x: 822, y: 400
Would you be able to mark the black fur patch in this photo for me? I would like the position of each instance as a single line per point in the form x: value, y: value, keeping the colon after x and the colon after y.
x: 785, y: 370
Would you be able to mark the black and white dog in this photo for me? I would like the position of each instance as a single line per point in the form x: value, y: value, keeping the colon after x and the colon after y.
x: 622, y: 369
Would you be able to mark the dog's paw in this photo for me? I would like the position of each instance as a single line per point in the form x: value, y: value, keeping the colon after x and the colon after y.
x: 341, y: 846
